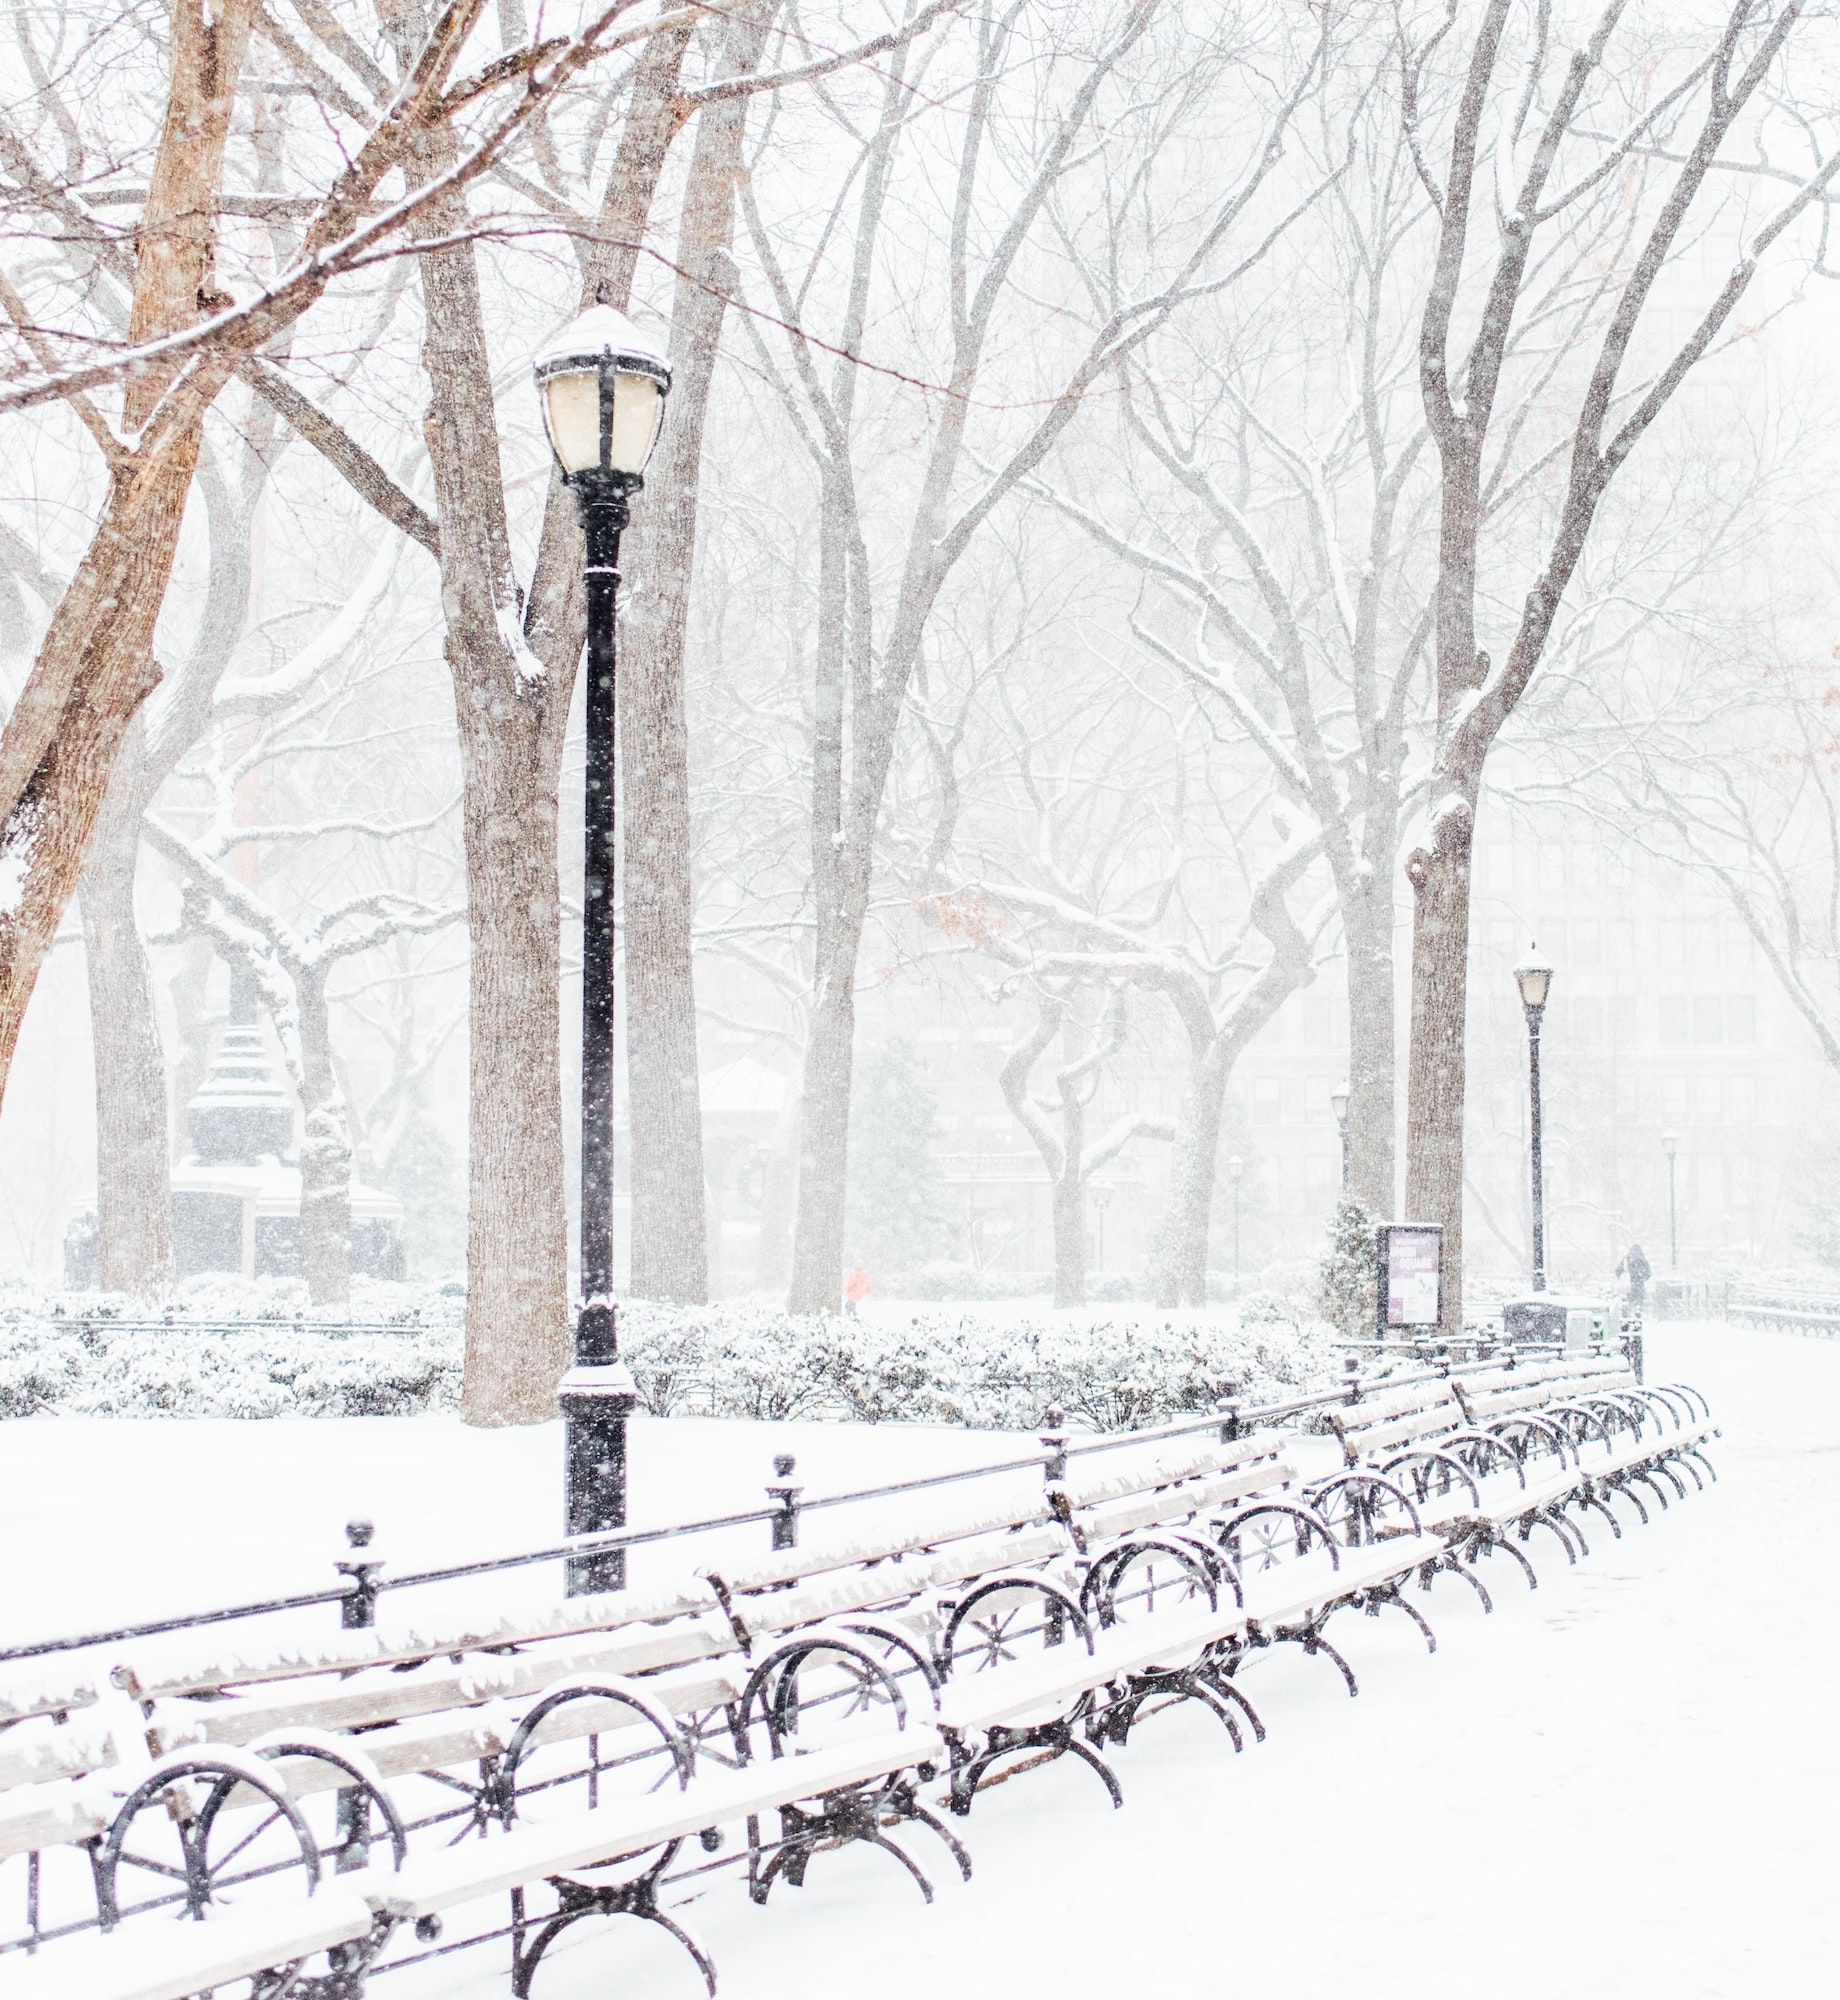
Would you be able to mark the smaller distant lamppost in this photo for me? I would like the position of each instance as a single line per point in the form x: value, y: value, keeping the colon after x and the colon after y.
x: 1670, y: 1144
x: 1534, y: 978
x: 1236, y: 1172
x: 1338, y: 1103
x: 602, y: 386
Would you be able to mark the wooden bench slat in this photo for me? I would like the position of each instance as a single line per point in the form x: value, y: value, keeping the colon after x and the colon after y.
x: 156, y: 1958
x: 434, y: 1882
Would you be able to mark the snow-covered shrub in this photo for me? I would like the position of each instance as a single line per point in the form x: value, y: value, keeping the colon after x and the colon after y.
x: 982, y: 1368
x: 1348, y: 1279
x: 38, y: 1375
x: 109, y: 1364
x: 961, y: 1366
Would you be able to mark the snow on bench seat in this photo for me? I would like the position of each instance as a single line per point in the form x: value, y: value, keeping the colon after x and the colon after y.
x: 57, y: 1813
x: 1059, y: 1675
x: 1176, y: 1503
x: 1390, y: 1420
x: 1501, y: 1499
x: 430, y: 1883
x: 386, y: 1695
x: 26, y: 1691
x: 1300, y: 1589
x: 468, y: 1736
x: 159, y: 1958
x: 207, y: 1661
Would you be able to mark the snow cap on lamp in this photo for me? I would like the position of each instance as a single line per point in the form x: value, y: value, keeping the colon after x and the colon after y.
x: 1534, y: 977
x: 602, y: 384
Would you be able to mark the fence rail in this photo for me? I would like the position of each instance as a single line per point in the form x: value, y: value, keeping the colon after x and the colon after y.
x: 1058, y: 1445
x: 1790, y: 1308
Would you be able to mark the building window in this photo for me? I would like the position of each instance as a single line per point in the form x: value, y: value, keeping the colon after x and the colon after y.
x: 1587, y: 1019
x: 1708, y: 1020
x: 1267, y: 1101
x: 1676, y: 1020
x: 1673, y: 942
x: 1741, y: 1018
x: 1495, y: 876
x: 1741, y: 1100
x: 1318, y: 1021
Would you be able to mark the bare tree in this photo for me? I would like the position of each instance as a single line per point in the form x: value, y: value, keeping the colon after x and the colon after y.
x: 1531, y: 120
x: 1009, y: 201
x: 1057, y: 1125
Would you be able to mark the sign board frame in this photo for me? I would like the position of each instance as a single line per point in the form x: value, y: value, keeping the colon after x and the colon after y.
x: 1423, y: 1233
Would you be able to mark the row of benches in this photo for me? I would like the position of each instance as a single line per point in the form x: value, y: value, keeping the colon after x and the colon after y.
x: 839, y: 1693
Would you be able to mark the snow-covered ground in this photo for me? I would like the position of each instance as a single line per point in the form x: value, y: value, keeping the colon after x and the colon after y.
x: 1622, y: 1784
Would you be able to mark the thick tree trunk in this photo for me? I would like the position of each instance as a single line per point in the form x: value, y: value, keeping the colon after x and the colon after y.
x: 517, y: 1247
x: 93, y: 671
x: 511, y: 715
x: 1070, y: 1238
x: 669, y: 1227
x: 824, y: 1136
x: 1180, y: 1266
x: 325, y: 1154
x: 133, y: 1145
x: 1440, y: 879
x: 1367, y: 926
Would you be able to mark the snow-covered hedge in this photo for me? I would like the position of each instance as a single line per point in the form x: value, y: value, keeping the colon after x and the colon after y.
x: 1107, y: 1369
x: 983, y: 1368
x: 97, y: 1370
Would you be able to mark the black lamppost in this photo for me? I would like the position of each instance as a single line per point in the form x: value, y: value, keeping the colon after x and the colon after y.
x: 1338, y: 1103
x: 1236, y: 1169
x: 1670, y: 1141
x: 602, y: 385
x: 1534, y: 976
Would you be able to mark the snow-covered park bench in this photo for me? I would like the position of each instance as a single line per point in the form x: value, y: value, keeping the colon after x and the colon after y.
x: 819, y: 1688
x: 1619, y: 1433
x: 1136, y: 1598
x: 1488, y: 1454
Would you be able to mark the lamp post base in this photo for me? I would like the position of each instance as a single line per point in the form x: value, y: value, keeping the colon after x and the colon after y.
x: 596, y: 1401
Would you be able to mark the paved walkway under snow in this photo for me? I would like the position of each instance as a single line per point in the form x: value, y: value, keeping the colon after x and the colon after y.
x: 1624, y: 1784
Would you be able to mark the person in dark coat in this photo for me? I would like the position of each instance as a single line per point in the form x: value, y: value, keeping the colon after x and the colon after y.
x: 1636, y: 1265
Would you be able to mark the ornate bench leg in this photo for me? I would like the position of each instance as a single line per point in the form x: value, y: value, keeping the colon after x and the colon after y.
x: 1393, y: 1595
x: 927, y: 1817
x: 1054, y: 1739
x: 1313, y: 1641
x: 638, y: 1898
x: 1458, y: 1567
x: 1593, y: 1501
x: 1545, y: 1517
x: 1495, y: 1541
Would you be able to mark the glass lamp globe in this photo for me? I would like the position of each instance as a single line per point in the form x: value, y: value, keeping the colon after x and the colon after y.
x: 602, y: 384
x: 1533, y: 976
